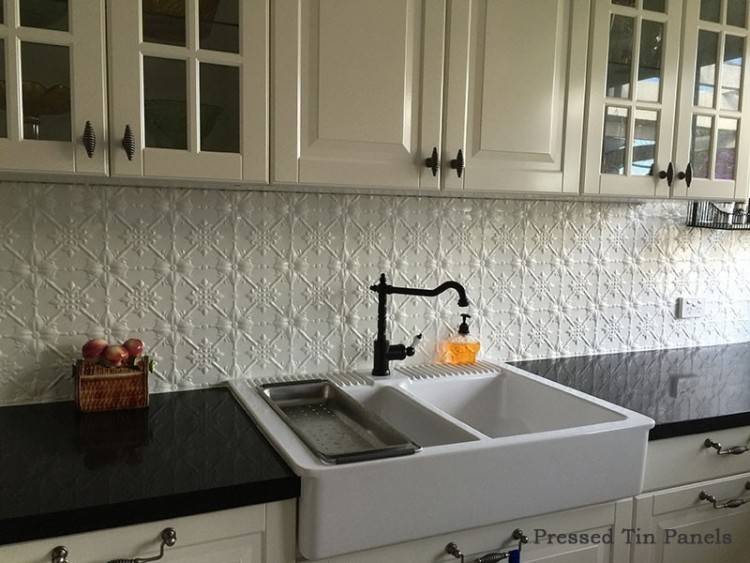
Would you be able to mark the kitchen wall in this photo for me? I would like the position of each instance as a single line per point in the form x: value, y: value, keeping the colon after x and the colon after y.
x: 225, y: 285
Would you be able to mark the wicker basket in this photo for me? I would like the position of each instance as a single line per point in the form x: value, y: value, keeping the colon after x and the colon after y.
x: 100, y: 388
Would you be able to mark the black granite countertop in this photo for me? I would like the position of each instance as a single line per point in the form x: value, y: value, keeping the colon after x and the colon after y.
x: 685, y: 390
x: 189, y: 452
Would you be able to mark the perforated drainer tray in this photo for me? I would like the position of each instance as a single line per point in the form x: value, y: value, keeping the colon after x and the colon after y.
x: 336, y: 427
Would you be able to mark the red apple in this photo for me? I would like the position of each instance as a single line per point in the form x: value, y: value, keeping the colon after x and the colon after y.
x: 134, y: 347
x: 93, y: 349
x: 115, y: 356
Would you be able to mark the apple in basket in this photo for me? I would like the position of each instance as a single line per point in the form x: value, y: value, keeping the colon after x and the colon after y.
x: 93, y: 349
x: 134, y: 347
x: 115, y: 356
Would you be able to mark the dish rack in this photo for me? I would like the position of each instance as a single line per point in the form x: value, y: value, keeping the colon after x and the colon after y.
x: 707, y: 215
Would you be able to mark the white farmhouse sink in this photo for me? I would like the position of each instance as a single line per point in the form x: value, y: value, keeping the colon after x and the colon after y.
x: 497, y: 444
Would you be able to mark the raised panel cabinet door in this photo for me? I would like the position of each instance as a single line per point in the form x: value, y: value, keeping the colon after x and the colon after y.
x: 634, y: 67
x: 357, y: 92
x: 680, y: 525
x: 189, y: 89
x: 515, y: 95
x: 713, y: 136
x: 52, y: 80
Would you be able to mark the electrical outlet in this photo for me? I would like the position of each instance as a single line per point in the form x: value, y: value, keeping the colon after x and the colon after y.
x: 690, y: 308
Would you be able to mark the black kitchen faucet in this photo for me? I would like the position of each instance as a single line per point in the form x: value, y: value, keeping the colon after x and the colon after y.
x: 384, y: 351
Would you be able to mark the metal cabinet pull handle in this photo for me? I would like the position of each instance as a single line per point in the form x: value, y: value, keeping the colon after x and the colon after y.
x: 731, y: 503
x: 60, y: 554
x: 495, y: 556
x: 433, y: 163
x: 89, y: 139
x: 687, y: 175
x: 668, y: 174
x: 128, y: 142
x: 734, y: 450
x: 168, y: 539
x: 458, y: 163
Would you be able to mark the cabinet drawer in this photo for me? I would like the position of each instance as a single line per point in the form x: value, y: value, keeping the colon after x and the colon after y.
x: 598, y: 519
x: 227, y: 536
x: 685, y: 459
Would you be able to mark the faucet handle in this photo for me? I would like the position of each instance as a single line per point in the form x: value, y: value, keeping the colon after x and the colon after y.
x: 413, y: 346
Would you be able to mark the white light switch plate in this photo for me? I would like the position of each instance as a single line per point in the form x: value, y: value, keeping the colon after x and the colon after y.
x: 690, y: 308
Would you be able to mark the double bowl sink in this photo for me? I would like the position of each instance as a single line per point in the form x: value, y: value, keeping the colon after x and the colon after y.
x: 490, y: 444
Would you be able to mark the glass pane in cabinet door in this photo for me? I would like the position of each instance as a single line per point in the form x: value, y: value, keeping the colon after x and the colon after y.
x: 165, y: 102
x: 620, y: 56
x: 164, y: 21
x: 731, y: 72
x: 45, y: 85
x: 644, y: 142
x: 45, y: 14
x: 700, y: 149
x: 705, y: 68
x: 3, y: 86
x: 726, y: 149
x: 220, y: 108
x: 737, y: 13
x: 614, y: 149
x: 624, y: 2
x: 220, y: 25
x: 710, y: 10
x: 649, y: 65
x: 654, y: 5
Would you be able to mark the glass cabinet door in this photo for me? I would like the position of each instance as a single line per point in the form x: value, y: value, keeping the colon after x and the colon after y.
x: 635, y: 54
x: 188, y: 88
x: 713, y: 95
x: 52, y: 113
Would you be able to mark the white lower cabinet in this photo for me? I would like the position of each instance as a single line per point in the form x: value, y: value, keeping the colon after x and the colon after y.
x: 680, y: 525
x: 602, y: 519
x: 253, y: 534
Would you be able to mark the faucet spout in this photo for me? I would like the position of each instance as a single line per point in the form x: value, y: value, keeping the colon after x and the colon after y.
x: 384, y: 352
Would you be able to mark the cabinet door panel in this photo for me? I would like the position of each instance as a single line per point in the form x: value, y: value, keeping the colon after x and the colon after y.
x: 363, y: 97
x: 53, y: 77
x: 194, y: 91
x: 711, y: 132
x: 632, y: 91
x: 686, y: 529
x: 517, y: 113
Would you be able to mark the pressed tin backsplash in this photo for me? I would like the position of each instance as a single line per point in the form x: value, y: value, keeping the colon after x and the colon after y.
x: 231, y: 284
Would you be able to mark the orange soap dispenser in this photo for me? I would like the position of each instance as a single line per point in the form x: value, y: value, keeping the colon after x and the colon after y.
x: 461, y: 348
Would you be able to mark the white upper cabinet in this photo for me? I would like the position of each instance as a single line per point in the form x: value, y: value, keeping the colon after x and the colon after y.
x: 631, y: 111
x: 642, y: 135
x: 713, y: 101
x: 189, y: 88
x: 53, y: 87
x: 515, y: 95
x: 357, y: 92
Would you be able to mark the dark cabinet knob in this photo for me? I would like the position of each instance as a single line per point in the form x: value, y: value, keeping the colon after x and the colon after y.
x: 687, y: 175
x: 458, y: 163
x: 59, y: 554
x: 89, y: 139
x: 668, y: 174
x: 433, y: 163
x: 128, y: 142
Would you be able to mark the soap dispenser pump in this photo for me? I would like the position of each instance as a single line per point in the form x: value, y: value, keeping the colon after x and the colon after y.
x: 462, y: 348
